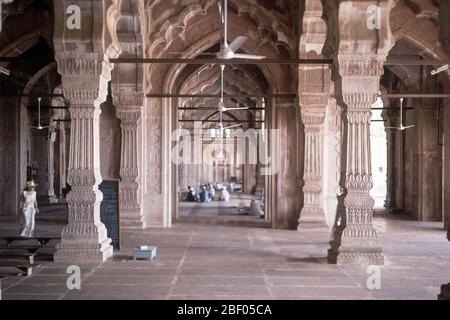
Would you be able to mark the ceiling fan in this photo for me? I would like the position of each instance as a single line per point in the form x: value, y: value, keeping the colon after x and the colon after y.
x: 39, y: 126
x: 401, y: 128
x: 229, y: 51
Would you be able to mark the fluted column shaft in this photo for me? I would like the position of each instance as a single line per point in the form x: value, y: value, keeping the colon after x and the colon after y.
x: 130, y: 210
x: 85, y: 236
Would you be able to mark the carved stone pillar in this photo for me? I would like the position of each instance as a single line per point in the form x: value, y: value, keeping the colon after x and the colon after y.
x: 85, y: 237
x: 355, y: 238
x: 130, y: 209
x: 312, y: 213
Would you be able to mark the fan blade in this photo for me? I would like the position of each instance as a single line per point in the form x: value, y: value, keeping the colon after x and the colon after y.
x: 237, y: 43
x: 233, y: 126
x: 233, y: 109
x: 208, y: 54
x: 199, y: 54
x: 248, y: 56
x: 408, y: 127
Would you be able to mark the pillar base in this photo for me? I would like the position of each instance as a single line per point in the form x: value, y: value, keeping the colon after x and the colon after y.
x: 131, y: 220
x: 312, y: 219
x: 349, y: 248
x: 316, y: 226
x: 356, y: 255
x: 83, y: 242
x: 81, y: 251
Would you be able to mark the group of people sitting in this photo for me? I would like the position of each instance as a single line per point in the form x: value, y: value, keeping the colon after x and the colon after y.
x: 208, y: 193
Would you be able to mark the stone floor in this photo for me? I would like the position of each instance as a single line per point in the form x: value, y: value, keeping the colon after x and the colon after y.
x: 206, y: 256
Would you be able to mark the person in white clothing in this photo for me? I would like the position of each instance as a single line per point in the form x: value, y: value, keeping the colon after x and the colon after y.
x: 225, y: 195
x: 28, y: 208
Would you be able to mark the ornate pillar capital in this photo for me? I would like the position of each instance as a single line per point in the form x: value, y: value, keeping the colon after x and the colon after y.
x: 313, y: 119
x: 127, y: 100
x: 84, y: 77
x: 129, y: 115
x: 79, y: 64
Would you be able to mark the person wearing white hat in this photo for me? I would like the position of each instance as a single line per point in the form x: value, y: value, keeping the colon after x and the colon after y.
x: 28, y: 208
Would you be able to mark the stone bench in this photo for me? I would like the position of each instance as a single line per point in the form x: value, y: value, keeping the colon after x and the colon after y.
x: 41, y: 240
x: 24, y: 267
x: 16, y: 255
x: 19, y: 273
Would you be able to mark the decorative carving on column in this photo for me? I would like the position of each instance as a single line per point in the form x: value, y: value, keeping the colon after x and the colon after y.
x: 154, y: 160
x: 85, y: 237
x: 356, y: 238
x: 129, y: 112
x: 313, y: 117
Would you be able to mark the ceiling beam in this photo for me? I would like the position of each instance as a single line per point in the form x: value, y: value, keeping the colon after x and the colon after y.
x: 214, y: 108
x: 415, y: 95
x: 217, y: 121
x: 408, y: 108
x: 223, y: 61
x: 201, y: 61
x: 33, y: 95
x: 217, y: 96
x: 46, y: 108
x: 293, y: 95
x: 415, y: 62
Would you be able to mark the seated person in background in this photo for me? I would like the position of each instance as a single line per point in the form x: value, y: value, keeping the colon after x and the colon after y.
x: 191, y: 195
x: 212, y: 193
x: 208, y: 189
x: 225, y: 195
x: 256, y: 208
x: 204, y: 195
